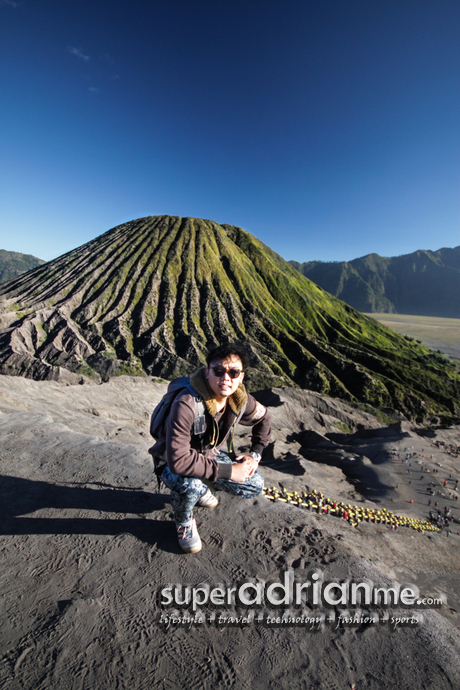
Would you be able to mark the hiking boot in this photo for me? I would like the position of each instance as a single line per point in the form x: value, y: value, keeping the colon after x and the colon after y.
x: 208, y: 500
x: 189, y: 539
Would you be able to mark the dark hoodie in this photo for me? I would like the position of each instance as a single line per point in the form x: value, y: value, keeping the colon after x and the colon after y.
x: 190, y: 456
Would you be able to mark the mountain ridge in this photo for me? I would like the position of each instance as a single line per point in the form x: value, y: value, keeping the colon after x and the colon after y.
x: 423, y: 283
x: 13, y: 264
x: 150, y: 296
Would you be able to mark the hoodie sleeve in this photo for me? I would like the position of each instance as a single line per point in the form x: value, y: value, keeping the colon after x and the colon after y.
x: 182, y: 459
x: 257, y: 416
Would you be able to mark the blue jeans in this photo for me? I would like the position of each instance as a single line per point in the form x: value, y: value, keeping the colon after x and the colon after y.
x: 187, y: 491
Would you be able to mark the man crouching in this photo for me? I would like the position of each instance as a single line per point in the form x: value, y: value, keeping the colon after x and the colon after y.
x: 192, y: 458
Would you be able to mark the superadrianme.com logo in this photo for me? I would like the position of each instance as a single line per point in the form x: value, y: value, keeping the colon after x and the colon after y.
x: 312, y: 603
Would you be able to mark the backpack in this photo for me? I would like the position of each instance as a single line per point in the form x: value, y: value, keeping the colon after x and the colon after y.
x: 160, y: 415
x: 161, y: 411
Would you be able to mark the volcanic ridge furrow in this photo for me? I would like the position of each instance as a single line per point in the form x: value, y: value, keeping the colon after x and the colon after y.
x: 120, y: 286
x: 107, y: 281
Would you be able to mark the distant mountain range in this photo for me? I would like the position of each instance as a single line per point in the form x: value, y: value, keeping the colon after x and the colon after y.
x: 12, y: 264
x: 152, y: 295
x: 424, y: 283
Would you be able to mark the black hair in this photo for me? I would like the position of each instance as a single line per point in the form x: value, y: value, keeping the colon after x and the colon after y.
x: 227, y: 350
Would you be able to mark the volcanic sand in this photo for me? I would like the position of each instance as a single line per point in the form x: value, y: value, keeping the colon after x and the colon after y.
x: 87, y: 543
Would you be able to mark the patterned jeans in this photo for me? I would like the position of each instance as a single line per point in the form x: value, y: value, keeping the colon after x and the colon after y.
x: 186, y: 491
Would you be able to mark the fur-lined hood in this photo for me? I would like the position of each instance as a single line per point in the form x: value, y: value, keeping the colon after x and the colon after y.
x: 200, y: 384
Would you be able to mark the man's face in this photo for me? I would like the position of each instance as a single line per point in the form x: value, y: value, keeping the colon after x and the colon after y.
x: 219, y: 375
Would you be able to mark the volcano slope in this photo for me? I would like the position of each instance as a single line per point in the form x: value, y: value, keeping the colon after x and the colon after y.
x: 152, y: 295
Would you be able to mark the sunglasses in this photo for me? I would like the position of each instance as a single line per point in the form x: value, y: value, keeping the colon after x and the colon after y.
x: 221, y: 371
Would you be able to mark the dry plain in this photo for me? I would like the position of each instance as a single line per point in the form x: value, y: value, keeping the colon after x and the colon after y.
x: 435, y: 332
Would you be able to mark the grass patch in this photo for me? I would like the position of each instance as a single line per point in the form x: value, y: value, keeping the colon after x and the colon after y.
x: 341, y: 426
x: 384, y: 417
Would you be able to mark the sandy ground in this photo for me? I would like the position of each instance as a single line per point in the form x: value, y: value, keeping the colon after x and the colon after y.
x: 87, y: 548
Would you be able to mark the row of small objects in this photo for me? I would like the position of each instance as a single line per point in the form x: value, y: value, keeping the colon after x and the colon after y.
x: 318, y: 503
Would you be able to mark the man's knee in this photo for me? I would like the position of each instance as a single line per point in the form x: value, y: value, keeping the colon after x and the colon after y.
x: 254, y: 486
x: 258, y: 483
x: 181, y: 485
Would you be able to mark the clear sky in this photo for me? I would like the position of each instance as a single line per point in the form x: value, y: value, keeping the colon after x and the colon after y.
x: 327, y: 128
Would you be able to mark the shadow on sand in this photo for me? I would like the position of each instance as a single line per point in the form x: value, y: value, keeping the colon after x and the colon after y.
x: 21, y: 497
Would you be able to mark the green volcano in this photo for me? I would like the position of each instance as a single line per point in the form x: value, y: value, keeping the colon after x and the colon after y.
x: 152, y: 295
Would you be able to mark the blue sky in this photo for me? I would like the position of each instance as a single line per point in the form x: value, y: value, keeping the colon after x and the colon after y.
x: 327, y: 128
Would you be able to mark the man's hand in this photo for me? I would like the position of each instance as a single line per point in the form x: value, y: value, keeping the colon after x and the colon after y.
x: 244, y: 468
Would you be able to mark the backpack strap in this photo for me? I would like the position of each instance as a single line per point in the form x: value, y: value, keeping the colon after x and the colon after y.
x: 230, y: 438
x: 199, y: 423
